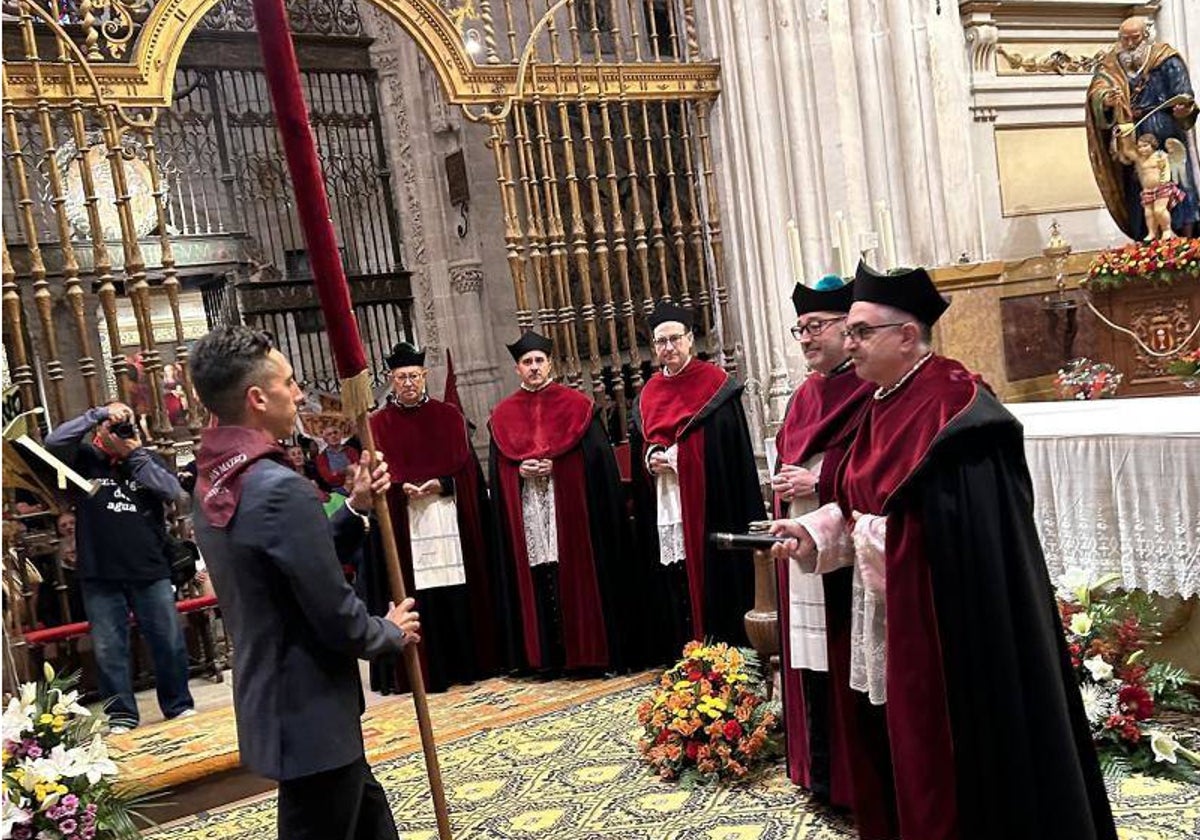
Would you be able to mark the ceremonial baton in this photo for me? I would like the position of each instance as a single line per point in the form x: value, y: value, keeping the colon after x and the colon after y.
x: 329, y: 278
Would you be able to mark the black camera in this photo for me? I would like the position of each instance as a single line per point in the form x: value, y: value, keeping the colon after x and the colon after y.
x: 123, y: 429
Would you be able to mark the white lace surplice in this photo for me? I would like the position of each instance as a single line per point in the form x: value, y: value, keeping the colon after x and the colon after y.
x: 806, y: 599
x: 436, y: 549
x: 671, y: 548
x: 868, y: 620
x: 541, y: 527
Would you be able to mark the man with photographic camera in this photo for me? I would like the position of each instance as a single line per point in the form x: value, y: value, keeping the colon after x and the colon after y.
x: 122, y: 557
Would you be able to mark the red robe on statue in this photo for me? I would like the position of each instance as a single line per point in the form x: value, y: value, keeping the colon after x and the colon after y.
x: 562, y: 612
x: 986, y: 726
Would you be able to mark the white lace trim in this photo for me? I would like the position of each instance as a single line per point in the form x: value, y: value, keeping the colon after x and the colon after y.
x: 541, y: 527
x: 671, y: 547
x: 868, y: 616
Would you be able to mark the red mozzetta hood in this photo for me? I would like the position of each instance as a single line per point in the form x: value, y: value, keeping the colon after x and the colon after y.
x: 670, y: 404
x: 541, y: 424
x: 429, y: 441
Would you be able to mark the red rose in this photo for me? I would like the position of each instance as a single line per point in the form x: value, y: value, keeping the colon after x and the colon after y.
x: 662, y: 736
x: 1137, y: 701
x: 695, y: 675
x: 733, y: 730
x: 693, y: 749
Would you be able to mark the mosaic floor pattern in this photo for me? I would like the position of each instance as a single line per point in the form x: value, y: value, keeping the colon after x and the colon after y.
x: 572, y: 774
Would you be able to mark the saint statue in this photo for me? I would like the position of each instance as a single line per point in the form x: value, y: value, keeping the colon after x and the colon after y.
x: 1141, y: 88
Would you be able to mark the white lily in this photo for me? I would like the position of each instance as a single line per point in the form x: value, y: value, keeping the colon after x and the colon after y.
x: 1098, y: 668
x: 1081, y: 624
x: 98, y: 762
x: 12, y: 812
x: 1163, y: 746
x: 68, y: 704
x: 17, y: 720
x: 48, y: 671
x: 1074, y: 581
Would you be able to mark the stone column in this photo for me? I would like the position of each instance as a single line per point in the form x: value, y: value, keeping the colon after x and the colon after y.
x: 443, y: 244
x: 830, y: 106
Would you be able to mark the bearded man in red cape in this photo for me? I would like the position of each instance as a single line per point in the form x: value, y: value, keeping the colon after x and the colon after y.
x: 836, y: 740
x: 954, y: 624
x: 698, y: 476
x: 562, y: 515
x: 440, y: 512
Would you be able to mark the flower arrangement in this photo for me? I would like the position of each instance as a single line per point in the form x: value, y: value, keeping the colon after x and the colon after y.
x: 709, y: 717
x: 1187, y: 367
x: 1107, y: 635
x: 1160, y: 261
x: 1083, y: 379
x: 58, y: 781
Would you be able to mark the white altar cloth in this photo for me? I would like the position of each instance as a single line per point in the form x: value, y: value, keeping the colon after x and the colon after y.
x: 1117, y: 488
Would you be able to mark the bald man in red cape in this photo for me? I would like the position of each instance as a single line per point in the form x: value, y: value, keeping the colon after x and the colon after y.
x: 560, y: 504
x: 697, y: 476
x: 836, y: 740
x: 428, y: 449
x: 960, y: 633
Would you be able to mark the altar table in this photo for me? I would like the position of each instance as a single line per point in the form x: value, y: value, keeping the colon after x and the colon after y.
x: 1117, y: 488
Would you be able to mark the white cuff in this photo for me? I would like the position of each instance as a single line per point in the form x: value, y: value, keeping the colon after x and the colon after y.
x: 827, y: 527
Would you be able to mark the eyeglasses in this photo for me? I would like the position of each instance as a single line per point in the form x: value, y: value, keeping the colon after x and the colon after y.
x: 861, y: 332
x: 814, y: 327
x: 408, y: 377
x: 669, y: 340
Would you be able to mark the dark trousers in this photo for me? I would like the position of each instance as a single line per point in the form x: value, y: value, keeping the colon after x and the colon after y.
x: 107, y: 604
x: 345, y: 803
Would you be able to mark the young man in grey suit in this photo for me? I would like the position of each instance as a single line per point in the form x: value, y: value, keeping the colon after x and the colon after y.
x: 296, y: 625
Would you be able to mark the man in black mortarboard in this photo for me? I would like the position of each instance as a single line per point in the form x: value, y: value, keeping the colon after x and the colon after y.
x: 440, y: 513
x: 697, y: 476
x: 956, y: 627
x: 560, y: 503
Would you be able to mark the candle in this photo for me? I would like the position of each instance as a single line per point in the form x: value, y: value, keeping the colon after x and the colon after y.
x: 842, y: 228
x: 980, y: 218
x: 887, y: 235
x: 797, y: 258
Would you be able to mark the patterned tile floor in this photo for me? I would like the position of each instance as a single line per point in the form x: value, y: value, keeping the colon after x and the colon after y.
x: 572, y: 774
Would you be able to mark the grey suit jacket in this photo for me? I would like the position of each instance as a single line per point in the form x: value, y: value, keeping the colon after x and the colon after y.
x: 296, y: 625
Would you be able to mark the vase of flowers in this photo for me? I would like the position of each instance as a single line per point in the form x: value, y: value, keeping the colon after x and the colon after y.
x: 1083, y: 379
x: 58, y: 781
x: 1124, y: 696
x: 1187, y: 368
x: 708, y: 717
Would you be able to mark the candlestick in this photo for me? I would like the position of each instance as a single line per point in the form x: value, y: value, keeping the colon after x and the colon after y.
x: 842, y: 229
x: 887, y: 235
x: 797, y: 258
x: 979, y: 217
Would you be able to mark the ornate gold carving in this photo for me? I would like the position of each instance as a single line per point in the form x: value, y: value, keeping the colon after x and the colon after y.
x: 1162, y: 325
x: 146, y: 79
x: 1058, y: 62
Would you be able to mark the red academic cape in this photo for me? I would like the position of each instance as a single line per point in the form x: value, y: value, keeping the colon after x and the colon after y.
x: 822, y: 417
x: 698, y: 410
x: 670, y: 408
x: 419, y: 444
x: 986, y: 726
x: 551, y: 424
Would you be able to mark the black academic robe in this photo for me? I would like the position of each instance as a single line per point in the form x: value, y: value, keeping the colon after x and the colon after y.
x: 572, y: 612
x: 707, y: 596
x: 986, y: 727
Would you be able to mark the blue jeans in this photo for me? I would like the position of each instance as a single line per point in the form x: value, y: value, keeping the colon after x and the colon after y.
x: 107, y: 604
